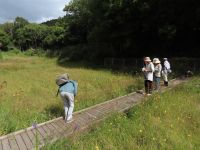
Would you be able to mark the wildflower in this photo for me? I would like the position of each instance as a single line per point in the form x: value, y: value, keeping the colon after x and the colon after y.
x: 165, y: 111
x: 97, y: 147
x: 140, y: 131
x: 34, y: 125
x: 165, y: 140
x: 189, y: 135
x: 153, y: 139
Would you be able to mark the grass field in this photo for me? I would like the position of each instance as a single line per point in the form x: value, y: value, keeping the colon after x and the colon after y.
x: 168, y: 121
x: 28, y: 89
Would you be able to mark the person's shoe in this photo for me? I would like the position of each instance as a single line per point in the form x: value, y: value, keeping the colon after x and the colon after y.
x: 166, y: 83
x: 70, y: 120
x: 143, y: 93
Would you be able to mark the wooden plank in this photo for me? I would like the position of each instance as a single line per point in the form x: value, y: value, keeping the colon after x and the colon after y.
x: 5, y: 144
x: 57, y: 127
x: 85, y: 119
x: 27, y: 141
x: 42, y: 132
x: 40, y: 137
x: 20, y: 142
x: 1, y: 147
x: 54, y: 131
x: 46, y: 129
x: 60, y: 130
x: 95, y: 112
x: 60, y: 125
x: 13, y: 143
x: 31, y: 136
x: 51, y: 127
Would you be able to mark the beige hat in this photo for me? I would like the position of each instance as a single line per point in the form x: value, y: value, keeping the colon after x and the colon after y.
x: 147, y: 59
x: 156, y: 61
x: 61, y: 79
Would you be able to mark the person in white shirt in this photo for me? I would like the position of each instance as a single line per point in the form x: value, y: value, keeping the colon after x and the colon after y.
x: 166, y: 70
x: 148, y: 70
x: 157, y: 73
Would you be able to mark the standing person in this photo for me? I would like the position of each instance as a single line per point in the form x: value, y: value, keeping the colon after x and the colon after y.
x: 148, y: 70
x: 166, y: 70
x: 157, y: 73
x: 68, y: 91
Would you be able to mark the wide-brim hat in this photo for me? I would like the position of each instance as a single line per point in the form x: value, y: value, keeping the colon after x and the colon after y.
x: 156, y: 61
x: 62, y: 79
x: 147, y: 59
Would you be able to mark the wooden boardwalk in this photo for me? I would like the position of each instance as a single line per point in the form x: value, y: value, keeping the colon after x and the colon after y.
x: 52, y: 130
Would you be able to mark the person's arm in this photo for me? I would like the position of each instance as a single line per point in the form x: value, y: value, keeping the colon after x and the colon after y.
x: 160, y: 68
x: 151, y: 69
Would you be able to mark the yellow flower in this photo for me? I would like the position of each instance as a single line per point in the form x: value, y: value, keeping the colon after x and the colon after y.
x: 140, y: 131
x: 97, y: 147
x: 153, y: 139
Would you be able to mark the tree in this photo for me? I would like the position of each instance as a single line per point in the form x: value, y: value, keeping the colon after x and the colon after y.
x: 4, y: 40
x: 8, y: 27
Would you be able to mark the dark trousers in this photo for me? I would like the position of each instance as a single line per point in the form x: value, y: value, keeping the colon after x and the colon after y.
x: 148, y: 86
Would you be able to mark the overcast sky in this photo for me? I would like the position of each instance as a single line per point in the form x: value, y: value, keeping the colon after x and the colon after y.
x: 32, y: 10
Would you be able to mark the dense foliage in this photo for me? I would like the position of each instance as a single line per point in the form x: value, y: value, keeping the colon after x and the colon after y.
x: 97, y: 29
x: 4, y: 40
x: 124, y: 28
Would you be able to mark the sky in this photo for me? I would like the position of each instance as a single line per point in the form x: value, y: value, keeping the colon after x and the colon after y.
x: 33, y: 10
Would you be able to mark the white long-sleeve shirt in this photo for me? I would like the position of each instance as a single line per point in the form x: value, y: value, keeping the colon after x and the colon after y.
x: 148, y: 74
x: 166, y: 65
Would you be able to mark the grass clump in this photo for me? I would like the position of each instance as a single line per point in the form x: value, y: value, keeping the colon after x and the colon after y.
x: 166, y: 121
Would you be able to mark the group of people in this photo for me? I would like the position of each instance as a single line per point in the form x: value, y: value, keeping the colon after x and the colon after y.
x: 153, y: 71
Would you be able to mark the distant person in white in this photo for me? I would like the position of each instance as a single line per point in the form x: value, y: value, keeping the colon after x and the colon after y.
x: 148, y: 70
x: 166, y: 70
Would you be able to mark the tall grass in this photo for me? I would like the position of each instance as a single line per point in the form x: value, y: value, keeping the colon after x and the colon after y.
x: 28, y: 89
x: 167, y: 121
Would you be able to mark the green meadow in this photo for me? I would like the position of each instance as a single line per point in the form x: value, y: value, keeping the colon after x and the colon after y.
x: 28, y: 89
x: 164, y: 121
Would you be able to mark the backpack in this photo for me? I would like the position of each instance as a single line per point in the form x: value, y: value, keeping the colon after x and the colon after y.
x: 63, y: 79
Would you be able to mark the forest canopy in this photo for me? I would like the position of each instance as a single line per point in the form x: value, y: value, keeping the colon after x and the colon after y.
x: 96, y: 29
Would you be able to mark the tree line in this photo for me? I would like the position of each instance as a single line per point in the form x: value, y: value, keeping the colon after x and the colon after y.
x: 93, y: 30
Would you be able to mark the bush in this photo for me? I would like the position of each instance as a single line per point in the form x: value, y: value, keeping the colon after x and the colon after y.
x: 15, y: 51
x: 4, y: 40
x: 35, y: 52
